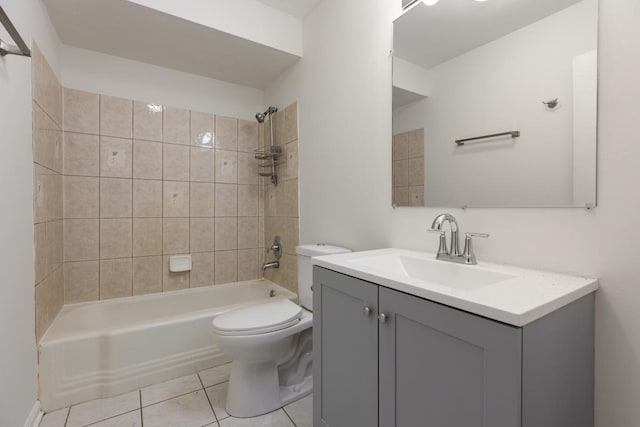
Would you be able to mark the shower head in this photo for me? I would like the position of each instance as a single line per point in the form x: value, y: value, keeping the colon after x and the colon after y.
x: 261, y: 116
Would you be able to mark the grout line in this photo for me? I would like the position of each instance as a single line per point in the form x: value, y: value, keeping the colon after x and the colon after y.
x: 133, y: 121
x: 99, y: 195
x: 162, y: 278
x: 48, y: 169
x: 141, y: 416
x: 66, y: 420
x: 190, y: 174
x: 82, y: 133
x: 237, y: 210
x: 112, y: 417
x: 200, y: 379
x: 204, y: 389
x: 168, y: 399
x: 44, y: 110
x: 131, y: 216
x: 289, y: 416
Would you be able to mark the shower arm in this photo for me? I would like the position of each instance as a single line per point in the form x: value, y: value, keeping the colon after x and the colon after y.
x: 274, y: 177
x: 274, y: 151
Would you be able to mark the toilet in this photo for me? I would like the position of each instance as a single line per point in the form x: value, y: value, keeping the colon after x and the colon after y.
x: 270, y: 345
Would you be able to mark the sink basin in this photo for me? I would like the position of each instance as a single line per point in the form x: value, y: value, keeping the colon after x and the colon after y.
x: 512, y: 295
x: 456, y: 276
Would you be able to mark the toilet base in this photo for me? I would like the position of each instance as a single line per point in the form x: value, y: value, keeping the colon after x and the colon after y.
x: 259, y: 388
x: 250, y: 391
x: 289, y: 394
x: 248, y: 397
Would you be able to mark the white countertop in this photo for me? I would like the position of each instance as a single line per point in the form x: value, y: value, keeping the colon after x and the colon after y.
x: 517, y: 300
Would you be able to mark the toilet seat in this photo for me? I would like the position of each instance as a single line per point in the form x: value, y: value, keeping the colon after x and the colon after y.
x: 258, y: 319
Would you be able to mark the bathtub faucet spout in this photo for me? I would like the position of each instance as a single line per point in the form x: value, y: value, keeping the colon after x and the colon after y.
x: 272, y: 264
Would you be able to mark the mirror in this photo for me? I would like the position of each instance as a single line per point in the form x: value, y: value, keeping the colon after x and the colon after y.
x: 495, y: 104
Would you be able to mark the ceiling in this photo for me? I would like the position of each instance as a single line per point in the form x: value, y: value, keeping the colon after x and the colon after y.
x: 128, y: 30
x: 429, y: 35
x: 297, y: 8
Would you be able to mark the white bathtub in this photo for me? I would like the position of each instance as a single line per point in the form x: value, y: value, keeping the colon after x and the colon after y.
x: 104, y: 348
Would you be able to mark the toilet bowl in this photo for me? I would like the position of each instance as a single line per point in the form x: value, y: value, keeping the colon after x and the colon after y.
x: 270, y: 345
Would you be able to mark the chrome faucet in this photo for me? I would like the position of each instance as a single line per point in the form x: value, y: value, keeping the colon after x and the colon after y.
x: 272, y: 264
x: 437, y: 224
x: 276, y: 247
x: 452, y: 254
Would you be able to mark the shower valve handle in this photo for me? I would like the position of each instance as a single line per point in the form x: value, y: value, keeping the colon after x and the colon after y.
x: 276, y: 247
x: 273, y: 248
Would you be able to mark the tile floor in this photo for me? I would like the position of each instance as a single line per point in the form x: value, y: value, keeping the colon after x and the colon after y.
x: 195, y: 400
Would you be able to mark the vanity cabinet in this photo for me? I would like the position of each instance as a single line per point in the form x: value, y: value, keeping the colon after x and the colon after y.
x: 346, y: 383
x: 386, y: 358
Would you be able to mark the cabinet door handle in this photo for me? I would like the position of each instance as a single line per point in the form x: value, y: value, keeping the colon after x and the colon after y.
x: 366, y: 311
x: 383, y: 318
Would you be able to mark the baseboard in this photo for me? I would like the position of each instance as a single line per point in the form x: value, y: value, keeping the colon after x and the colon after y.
x: 35, y: 416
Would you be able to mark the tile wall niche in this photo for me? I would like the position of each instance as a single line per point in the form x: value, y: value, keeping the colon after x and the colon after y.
x: 408, y: 168
x: 144, y: 181
x: 281, y: 216
x: 47, y: 193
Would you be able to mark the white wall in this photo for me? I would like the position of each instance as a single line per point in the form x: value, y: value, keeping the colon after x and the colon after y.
x: 585, y: 129
x: 343, y: 85
x: 500, y: 87
x: 344, y: 92
x: 411, y: 77
x: 249, y: 19
x: 17, y: 299
x: 96, y: 72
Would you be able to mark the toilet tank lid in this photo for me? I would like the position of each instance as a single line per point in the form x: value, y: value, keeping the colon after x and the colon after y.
x: 319, y: 249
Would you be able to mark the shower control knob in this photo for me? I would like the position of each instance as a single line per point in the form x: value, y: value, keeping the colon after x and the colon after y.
x: 366, y: 311
x: 276, y: 247
x: 383, y: 318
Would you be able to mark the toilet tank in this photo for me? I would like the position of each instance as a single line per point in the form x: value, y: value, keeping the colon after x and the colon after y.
x: 305, y: 271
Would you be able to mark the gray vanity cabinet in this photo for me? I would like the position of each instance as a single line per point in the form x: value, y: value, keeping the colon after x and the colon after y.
x: 445, y: 367
x: 427, y: 364
x: 346, y: 379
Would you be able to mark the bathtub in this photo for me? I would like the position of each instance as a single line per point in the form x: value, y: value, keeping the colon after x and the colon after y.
x: 105, y: 348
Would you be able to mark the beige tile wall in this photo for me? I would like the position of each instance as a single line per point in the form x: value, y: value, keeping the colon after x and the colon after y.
x: 144, y: 181
x: 129, y: 183
x: 408, y: 168
x: 281, y: 202
x: 47, y: 193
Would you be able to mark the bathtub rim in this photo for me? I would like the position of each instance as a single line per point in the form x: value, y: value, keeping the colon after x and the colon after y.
x: 45, y: 341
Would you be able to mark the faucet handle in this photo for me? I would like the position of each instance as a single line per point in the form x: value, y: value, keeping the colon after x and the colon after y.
x: 276, y: 247
x: 442, y: 247
x: 476, y: 235
x: 468, y: 254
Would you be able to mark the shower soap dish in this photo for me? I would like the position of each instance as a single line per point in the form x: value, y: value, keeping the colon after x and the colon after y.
x: 179, y: 263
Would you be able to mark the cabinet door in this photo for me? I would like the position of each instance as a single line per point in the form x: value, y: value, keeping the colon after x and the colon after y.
x: 442, y: 367
x: 345, y: 351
